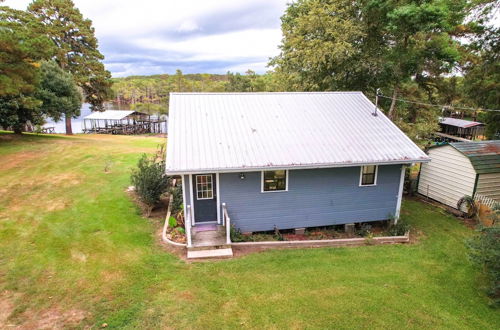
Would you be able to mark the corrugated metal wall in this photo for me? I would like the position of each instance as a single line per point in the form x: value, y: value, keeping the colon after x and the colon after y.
x: 316, y: 197
x: 448, y: 177
x: 489, y: 185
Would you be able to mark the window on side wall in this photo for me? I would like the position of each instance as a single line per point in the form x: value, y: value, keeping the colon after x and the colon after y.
x: 274, y: 180
x: 368, y: 175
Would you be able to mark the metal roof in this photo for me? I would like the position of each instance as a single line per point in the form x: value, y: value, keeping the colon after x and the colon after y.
x: 458, y: 122
x: 111, y: 114
x: 256, y: 131
x: 483, y: 155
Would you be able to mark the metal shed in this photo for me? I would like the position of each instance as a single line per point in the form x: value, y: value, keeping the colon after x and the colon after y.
x: 462, y: 168
x: 461, y: 128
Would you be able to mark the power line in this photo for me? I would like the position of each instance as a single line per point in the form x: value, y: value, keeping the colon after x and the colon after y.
x: 438, y: 105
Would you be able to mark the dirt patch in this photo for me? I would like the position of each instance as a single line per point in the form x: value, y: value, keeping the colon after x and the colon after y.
x: 18, y: 159
x: 39, y: 193
x: 6, y: 308
x: 54, y: 318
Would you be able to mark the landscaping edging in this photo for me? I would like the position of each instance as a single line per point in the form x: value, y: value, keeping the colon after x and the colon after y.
x: 330, y: 242
x: 165, y: 225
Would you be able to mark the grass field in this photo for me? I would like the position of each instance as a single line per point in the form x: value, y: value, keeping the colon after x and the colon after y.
x: 75, y: 252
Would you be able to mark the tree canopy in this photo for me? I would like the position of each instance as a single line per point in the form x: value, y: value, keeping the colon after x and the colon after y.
x: 77, y: 49
x: 58, y: 92
x: 407, y: 48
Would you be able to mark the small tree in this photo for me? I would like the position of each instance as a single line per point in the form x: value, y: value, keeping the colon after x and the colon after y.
x: 485, y: 251
x: 150, y: 180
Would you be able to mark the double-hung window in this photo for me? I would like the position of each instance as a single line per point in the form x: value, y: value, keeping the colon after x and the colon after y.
x: 274, y: 180
x: 368, y: 175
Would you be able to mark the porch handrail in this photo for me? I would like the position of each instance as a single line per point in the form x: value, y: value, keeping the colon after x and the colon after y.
x: 187, y: 222
x: 227, y: 223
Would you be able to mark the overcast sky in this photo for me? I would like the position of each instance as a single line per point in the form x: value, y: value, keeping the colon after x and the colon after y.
x: 196, y: 36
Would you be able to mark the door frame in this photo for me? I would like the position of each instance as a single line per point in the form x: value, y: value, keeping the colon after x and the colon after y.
x: 217, y: 203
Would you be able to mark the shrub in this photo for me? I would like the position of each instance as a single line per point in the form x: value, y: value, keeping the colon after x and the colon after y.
x: 150, y: 180
x: 172, y: 223
x: 277, y: 234
x: 177, y: 200
x: 484, y: 250
x: 364, y: 230
x: 236, y: 235
x: 399, y: 229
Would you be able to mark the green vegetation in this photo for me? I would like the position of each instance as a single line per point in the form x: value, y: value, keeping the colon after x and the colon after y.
x: 48, y: 30
x: 150, y: 180
x: 75, y: 251
x: 151, y: 93
x: 485, y: 251
x: 58, y: 92
x: 409, y: 49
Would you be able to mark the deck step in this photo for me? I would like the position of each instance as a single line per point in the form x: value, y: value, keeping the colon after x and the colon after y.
x: 213, y: 253
x: 209, y: 247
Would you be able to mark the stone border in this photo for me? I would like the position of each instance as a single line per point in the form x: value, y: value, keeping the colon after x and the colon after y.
x: 330, y: 242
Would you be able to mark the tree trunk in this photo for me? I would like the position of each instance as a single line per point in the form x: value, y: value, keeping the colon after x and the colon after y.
x: 393, y: 102
x: 18, y: 129
x: 69, y: 131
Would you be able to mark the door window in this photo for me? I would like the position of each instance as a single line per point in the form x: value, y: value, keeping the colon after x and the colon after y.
x: 204, y: 187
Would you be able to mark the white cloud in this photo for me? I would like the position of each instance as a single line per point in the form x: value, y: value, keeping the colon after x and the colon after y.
x: 137, y: 37
x: 188, y: 26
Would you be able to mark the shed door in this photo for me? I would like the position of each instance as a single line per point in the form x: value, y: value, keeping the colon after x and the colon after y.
x: 205, y: 200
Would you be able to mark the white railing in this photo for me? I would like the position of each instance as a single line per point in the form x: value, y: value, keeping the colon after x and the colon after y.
x: 490, y: 202
x: 188, y: 222
x: 226, y: 221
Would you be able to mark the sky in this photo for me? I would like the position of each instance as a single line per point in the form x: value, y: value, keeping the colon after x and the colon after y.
x: 197, y: 36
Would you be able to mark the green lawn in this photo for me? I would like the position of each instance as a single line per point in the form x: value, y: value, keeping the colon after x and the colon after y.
x: 75, y: 252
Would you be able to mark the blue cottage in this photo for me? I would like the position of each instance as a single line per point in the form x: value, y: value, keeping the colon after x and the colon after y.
x: 286, y: 160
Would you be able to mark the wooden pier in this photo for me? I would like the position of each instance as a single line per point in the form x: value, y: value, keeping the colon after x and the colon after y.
x: 123, y: 123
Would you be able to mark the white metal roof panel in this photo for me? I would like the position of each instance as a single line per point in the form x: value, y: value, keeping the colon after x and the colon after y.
x: 458, y: 122
x: 251, y: 131
x: 110, y: 114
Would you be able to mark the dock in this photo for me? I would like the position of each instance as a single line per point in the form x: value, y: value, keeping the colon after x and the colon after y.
x: 123, y: 123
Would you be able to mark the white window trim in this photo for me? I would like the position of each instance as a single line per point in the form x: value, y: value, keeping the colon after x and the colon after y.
x: 211, y: 182
x: 273, y: 191
x: 361, y: 176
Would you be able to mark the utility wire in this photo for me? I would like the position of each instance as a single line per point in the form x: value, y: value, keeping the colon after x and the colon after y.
x: 438, y: 105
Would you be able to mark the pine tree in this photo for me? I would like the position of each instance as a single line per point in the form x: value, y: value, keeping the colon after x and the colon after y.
x: 77, y: 47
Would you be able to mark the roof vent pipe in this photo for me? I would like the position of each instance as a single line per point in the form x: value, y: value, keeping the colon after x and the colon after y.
x: 377, y: 93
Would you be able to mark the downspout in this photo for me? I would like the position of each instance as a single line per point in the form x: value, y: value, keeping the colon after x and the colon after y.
x: 400, y: 194
x: 475, y: 186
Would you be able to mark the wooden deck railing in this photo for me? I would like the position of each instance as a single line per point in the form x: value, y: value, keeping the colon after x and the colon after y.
x: 226, y: 222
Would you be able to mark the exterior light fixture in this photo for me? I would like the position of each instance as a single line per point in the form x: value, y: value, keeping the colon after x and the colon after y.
x: 242, y: 176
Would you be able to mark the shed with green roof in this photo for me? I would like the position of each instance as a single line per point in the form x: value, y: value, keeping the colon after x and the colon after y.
x: 462, y: 168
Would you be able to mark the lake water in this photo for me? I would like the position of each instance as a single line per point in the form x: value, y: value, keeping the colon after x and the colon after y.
x: 77, y: 123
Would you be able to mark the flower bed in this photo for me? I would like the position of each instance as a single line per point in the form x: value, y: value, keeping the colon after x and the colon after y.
x: 364, y: 231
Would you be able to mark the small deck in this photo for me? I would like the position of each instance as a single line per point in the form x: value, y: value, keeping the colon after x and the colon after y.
x: 209, y: 235
x: 209, y: 241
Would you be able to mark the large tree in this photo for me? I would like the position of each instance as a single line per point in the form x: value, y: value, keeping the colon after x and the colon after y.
x: 482, y: 78
x: 23, y: 45
x: 77, y: 47
x: 58, y: 92
x: 365, y: 44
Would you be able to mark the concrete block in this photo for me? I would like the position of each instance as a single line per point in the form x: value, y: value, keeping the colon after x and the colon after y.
x: 300, y: 231
x: 349, y: 228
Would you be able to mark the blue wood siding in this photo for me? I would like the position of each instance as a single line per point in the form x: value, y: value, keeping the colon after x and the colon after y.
x: 317, y: 197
